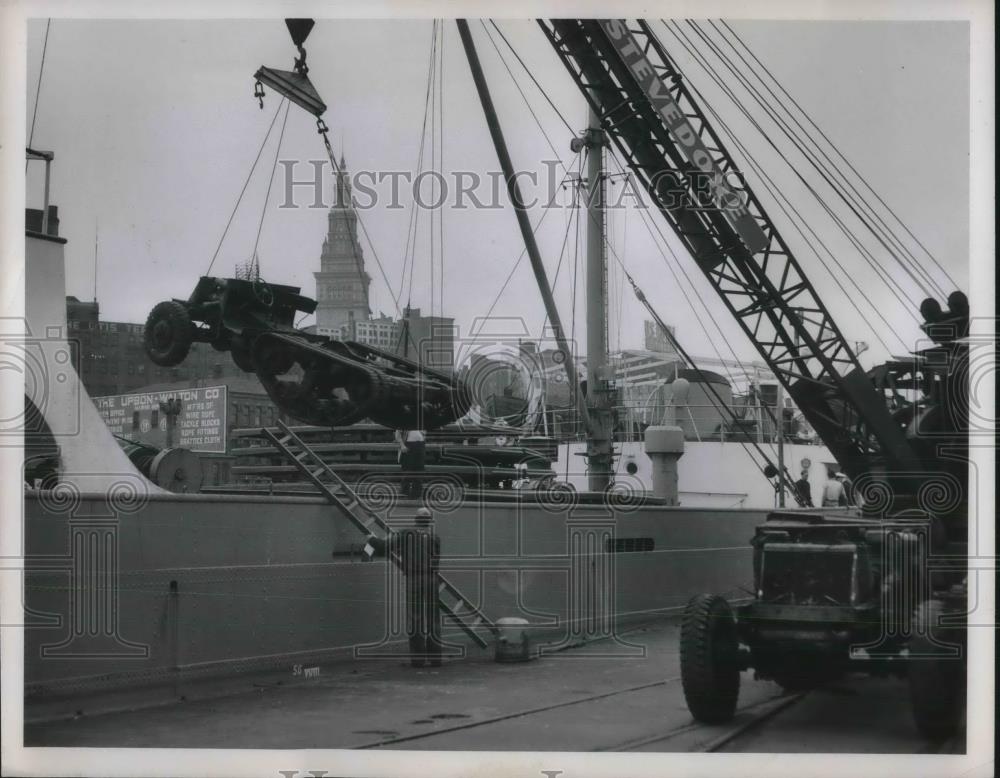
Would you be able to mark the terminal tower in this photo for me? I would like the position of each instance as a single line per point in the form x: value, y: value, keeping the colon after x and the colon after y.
x: 341, y: 283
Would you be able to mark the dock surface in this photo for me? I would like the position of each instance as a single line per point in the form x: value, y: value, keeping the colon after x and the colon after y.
x: 588, y: 698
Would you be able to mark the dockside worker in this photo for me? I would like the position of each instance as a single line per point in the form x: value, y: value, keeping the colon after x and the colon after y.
x: 804, y: 490
x: 417, y: 551
x: 834, y: 494
x: 412, y: 448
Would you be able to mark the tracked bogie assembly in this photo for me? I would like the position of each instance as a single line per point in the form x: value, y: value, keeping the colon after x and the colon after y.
x: 310, y: 377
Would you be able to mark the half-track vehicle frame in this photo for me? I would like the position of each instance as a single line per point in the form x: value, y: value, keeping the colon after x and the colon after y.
x: 310, y: 377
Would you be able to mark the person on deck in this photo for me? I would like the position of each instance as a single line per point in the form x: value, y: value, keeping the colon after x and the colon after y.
x: 803, y: 490
x: 416, y: 552
x: 834, y: 494
x: 412, y: 449
x: 849, y: 497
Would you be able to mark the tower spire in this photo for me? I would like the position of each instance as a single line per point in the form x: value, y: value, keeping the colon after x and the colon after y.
x: 343, y: 201
x: 342, y: 285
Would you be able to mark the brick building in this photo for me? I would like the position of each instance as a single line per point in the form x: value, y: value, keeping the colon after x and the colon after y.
x: 247, y: 405
x: 110, y: 358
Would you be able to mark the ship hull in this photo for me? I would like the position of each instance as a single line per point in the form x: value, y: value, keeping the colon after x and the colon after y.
x: 188, y: 586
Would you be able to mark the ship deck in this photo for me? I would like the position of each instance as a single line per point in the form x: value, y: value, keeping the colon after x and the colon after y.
x: 600, y: 696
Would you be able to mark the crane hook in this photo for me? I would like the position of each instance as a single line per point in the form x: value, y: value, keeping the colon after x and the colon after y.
x: 258, y: 92
x: 300, y: 61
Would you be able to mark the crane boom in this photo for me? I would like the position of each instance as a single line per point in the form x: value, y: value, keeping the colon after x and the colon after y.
x: 669, y: 145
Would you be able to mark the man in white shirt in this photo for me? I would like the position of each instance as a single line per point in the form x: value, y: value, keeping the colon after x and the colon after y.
x: 833, y: 493
x: 412, y: 445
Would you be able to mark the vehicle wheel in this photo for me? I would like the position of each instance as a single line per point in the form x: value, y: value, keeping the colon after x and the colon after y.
x: 937, y: 683
x: 168, y: 334
x: 710, y: 671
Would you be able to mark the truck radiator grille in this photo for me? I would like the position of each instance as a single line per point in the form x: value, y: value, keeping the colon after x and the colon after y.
x: 808, y: 574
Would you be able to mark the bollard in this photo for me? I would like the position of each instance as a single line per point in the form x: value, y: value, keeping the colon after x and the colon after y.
x: 513, y: 643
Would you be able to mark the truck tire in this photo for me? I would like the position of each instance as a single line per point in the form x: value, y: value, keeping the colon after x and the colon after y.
x: 168, y: 334
x: 710, y: 671
x: 937, y: 683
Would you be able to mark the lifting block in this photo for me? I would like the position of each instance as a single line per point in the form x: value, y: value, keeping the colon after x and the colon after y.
x: 295, y: 86
x: 513, y: 642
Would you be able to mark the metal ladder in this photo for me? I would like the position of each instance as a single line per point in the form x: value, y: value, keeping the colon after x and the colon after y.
x: 453, y: 603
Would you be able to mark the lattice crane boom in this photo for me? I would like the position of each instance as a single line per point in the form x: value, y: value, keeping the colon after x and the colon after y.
x: 670, y: 146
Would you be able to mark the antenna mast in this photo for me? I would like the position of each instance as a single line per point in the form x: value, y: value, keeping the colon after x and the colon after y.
x: 97, y: 232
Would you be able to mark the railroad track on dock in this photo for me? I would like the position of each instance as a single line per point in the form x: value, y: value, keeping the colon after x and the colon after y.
x: 759, y: 713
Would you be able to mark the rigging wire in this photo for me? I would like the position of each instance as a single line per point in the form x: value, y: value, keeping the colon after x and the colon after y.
x: 246, y: 183
x: 718, y: 402
x: 433, y: 99
x: 722, y: 361
x: 621, y: 168
x: 255, y: 262
x: 434, y: 179
x: 38, y: 89
x: 842, y: 157
x: 364, y: 230
x: 781, y: 198
x: 441, y: 209
x: 409, y: 252
x: 524, y: 97
x: 566, y: 168
x: 798, y: 221
x: 572, y: 213
x: 541, y: 129
x: 650, y: 225
x: 573, y: 390
x: 880, y: 273
x: 926, y: 281
x: 576, y: 251
x: 786, y: 483
x: 832, y: 169
x: 532, y: 77
x: 562, y: 255
x: 552, y: 104
x: 910, y: 305
x: 484, y: 319
x: 575, y: 214
x: 621, y: 281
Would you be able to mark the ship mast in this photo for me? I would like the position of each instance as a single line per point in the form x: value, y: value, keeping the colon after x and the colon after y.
x: 599, y: 434
x: 527, y: 232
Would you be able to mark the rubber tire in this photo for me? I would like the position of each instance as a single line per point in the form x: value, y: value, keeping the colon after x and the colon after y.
x: 937, y: 686
x: 169, y: 323
x: 710, y: 671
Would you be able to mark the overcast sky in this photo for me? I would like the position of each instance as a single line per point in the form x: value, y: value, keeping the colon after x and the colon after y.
x: 154, y: 130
